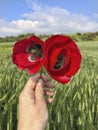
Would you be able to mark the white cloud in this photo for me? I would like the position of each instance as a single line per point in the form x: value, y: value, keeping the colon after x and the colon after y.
x: 45, y: 19
x: 95, y: 15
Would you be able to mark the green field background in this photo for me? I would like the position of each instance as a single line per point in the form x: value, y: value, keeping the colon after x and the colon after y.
x: 75, y: 105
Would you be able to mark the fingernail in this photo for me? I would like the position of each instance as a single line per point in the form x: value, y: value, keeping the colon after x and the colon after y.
x: 40, y: 82
x: 36, y: 76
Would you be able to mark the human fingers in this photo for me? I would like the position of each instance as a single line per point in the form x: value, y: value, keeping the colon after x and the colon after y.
x: 47, y: 81
x: 39, y: 91
x: 49, y: 85
x: 49, y: 100
x: 45, y: 78
x: 49, y: 93
x: 31, y: 83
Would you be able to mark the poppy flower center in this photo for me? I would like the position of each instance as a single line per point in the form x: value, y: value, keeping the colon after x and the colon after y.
x: 35, y: 51
x: 59, y: 62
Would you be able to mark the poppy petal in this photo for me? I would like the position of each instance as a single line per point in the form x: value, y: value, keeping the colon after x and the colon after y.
x: 62, y: 45
x: 62, y: 79
x: 21, y: 57
x: 34, y: 69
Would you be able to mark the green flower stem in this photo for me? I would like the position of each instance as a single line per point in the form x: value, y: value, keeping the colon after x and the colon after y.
x: 41, y: 71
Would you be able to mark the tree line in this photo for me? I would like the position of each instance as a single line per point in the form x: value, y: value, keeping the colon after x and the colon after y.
x: 89, y: 36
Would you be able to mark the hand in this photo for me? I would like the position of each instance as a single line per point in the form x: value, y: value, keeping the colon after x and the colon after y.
x: 33, y: 113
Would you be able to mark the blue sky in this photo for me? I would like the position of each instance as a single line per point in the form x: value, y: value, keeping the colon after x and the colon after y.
x: 48, y: 16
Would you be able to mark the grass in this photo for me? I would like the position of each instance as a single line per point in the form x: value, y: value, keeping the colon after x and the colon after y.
x: 75, y: 105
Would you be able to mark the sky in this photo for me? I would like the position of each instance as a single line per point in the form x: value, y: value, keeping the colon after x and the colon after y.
x: 48, y: 16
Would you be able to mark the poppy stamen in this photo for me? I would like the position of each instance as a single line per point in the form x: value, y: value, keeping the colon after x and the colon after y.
x: 34, y: 51
x: 60, y: 61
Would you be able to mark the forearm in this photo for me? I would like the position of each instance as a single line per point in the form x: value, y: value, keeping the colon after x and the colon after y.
x: 32, y: 126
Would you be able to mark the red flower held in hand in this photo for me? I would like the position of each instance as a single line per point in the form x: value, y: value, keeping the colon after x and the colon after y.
x: 59, y: 54
x: 28, y: 54
x: 62, y: 58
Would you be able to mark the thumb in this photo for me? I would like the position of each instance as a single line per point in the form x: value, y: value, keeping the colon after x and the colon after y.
x: 39, y: 91
x: 31, y: 83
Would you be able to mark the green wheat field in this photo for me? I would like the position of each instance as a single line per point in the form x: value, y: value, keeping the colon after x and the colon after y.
x: 75, y: 105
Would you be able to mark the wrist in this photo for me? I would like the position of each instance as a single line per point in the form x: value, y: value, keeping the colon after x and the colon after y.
x: 32, y: 126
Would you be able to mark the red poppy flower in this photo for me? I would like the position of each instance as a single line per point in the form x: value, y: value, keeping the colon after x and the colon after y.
x: 28, y: 54
x: 62, y: 58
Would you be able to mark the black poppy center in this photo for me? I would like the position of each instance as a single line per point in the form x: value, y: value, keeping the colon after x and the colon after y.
x: 34, y: 51
x: 60, y: 61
